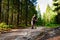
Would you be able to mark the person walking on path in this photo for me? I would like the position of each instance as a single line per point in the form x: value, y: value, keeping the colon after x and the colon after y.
x: 33, y: 21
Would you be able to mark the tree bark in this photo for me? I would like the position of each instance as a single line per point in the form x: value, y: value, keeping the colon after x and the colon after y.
x: 26, y: 12
x: 7, y: 21
x: 18, y: 12
x: 0, y: 10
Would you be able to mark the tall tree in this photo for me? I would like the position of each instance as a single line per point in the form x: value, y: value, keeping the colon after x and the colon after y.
x: 26, y: 11
x: 7, y: 14
x: 16, y: 12
x: 0, y: 9
x: 19, y: 11
x: 30, y: 10
x: 57, y: 9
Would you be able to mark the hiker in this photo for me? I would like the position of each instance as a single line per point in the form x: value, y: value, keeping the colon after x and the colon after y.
x: 33, y: 21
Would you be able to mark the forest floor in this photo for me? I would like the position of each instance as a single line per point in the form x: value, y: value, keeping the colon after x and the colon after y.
x: 40, y: 33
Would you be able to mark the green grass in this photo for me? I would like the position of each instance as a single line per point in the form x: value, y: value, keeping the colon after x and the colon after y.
x: 52, y: 25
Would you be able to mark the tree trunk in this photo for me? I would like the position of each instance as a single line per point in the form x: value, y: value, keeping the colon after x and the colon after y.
x: 7, y: 12
x: 18, y: 12
x: 0, y: 10
x: 26, y: 12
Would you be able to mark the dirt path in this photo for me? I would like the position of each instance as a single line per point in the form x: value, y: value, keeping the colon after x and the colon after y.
x: 50, y: 34
x: 41, y: 33
x: 22, y: 34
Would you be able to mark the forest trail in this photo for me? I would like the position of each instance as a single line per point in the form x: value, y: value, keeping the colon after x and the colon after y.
x: 40, y: 33
x: 22, y: 34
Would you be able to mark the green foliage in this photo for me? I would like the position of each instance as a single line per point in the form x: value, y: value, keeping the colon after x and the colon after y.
x: 24, y: 26
x: 16, y: 12
x: 39, y: 22
x: 56, y: 4
x: 49, y: 16
x: 39, y: 18
x: 5, y: 26
x: 49, y: 25
x: 10, y: 26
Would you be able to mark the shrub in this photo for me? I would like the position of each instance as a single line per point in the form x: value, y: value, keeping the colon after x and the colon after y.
x: 4, y: 26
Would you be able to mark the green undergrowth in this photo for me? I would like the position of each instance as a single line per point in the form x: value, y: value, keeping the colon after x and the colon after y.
x: 52, y: 25
x: 4, y: 26
x: 24, y: 26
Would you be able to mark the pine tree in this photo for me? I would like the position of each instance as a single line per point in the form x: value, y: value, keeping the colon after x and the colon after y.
x: 57, y: 9
x: 17, y: 12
